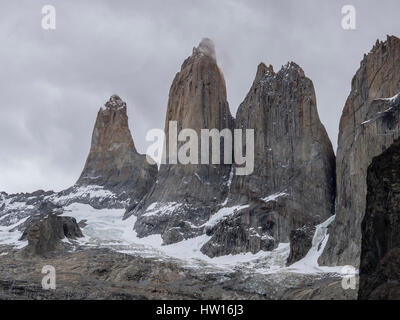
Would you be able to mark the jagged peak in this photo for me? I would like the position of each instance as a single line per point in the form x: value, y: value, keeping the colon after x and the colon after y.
x: 115, y: 102
x: 291, y: 67
x: 390, y: 41
x: 203, y: 55
x: 289, y: 70
x: 206, y: 47
x: 263, y: 70
x: 382, y: 47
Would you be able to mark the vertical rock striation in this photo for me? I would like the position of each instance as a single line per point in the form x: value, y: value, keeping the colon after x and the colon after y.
x: 380, y: 250
x: 369, y: 124
x: 293, y: 182
x: 185, y: 195
x: 113, y: 161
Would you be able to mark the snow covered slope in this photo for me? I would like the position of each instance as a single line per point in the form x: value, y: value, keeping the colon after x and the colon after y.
x: 105, y: 228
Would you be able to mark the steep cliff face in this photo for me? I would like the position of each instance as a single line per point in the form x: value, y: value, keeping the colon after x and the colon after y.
x: 380, y: 250
x: 186, y: 194
x: 293, y: 182
x: 293, y: 153
x: 113, y: 162
x: 114, y: 175
x: 300, y: 243
x: 369, y: 124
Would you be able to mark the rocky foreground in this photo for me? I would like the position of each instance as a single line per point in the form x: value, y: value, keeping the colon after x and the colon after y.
x: 96, y: 257
x: 106, y: 274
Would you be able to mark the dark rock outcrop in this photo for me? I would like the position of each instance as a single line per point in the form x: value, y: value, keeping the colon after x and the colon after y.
x: 113, y: 162
x: 380, y: 229
x: 369, y: 124
x: 44, y: 236
x: 241, y: 232
x: 300, y: 243
x: 185, y: 195
x: 293, y: 182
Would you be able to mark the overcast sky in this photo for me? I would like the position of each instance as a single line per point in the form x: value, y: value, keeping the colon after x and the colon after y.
x: 52, y: 83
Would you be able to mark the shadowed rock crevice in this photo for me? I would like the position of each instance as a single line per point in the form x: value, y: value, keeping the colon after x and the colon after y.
x: 380, y: 229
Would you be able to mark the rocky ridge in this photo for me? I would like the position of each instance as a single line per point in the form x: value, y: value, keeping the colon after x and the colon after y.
x: 293, y: 183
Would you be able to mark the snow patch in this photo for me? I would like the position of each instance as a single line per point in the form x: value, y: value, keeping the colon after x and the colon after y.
x: 274, y: 196
x: 10, y: 204
x: 91, y: 192
x: 367, y: 121
x: 9, y: 237
x: 222, y: 214
x: 390, y: 99
x: 160, y: 209
x: 105, y: 228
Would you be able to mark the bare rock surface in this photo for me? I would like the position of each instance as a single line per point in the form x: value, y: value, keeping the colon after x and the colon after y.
x: 113, y: 162
x: 293, y: 182
x: 185, y: 195
x: 88, y: 273
x: 369, y: 124
x: 44, y: 236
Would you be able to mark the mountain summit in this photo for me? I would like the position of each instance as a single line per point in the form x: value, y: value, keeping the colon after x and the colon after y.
x: 293, y: 182
x: 185, y: 196
x: 113, y: 161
